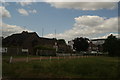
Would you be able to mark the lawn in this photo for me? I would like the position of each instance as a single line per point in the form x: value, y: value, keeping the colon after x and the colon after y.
x: 90, y: 67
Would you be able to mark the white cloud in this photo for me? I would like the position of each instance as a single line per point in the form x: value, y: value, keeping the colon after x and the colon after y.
x: 25, y: 3
x: 60, y: 0
x: 89, y: 26
x: 10, y: 29
x: 84, y: 5
x: 4, y: 12
x: 23, y: 12
x: 32, y: 11
x: 105, y: 36
x: 79, y: 0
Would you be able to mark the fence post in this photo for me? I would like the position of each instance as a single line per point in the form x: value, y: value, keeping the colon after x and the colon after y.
x: 64, y: 56
x: 50, y: 58
x: 58, y: 57
x: 11, y: 59
x: 27, y: 59
x: 40, y: 58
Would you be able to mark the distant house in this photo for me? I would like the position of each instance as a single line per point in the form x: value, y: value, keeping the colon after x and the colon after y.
x: 16, y: 42
x: 70, y: 43
x: 96, y: 44
x: 98, y: 41
x: 28, y: 41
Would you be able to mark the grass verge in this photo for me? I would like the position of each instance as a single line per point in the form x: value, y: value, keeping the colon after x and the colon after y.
x: 90, y: 67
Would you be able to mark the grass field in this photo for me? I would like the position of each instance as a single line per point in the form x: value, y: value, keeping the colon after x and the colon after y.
x: 90, y: 67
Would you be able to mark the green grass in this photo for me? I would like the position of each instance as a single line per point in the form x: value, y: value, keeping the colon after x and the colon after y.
x: 91, y: 67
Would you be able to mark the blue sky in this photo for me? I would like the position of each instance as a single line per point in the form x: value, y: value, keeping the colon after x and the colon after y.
x: 62, y: 18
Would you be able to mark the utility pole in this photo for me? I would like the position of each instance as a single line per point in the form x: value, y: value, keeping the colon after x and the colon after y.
x: 56, y: 45
x: 42, y: 31
x: 55, y: 33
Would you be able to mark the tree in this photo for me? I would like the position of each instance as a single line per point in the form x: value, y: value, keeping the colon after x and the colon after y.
x: 81, y: 44
x: 111, y: 45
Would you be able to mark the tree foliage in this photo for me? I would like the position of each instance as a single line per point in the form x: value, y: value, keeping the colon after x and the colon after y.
x: 111, y: 46
x: 81, y: 44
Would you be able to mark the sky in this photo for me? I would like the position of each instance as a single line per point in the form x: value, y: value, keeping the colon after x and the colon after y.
x: 67, y: 19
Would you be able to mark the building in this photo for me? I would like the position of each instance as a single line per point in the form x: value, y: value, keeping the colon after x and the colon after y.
x: 96, y: 45
x: 70, y: 43
x: 31, y: 43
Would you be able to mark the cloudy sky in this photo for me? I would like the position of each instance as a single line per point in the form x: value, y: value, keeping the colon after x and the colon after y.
x: 68, y: 19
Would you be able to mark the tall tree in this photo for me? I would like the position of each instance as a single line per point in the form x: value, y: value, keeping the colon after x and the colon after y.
x: 111, y: 45
x: 81, y: 44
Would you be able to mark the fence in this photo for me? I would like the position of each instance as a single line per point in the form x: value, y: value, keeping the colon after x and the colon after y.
x: 58, y: 57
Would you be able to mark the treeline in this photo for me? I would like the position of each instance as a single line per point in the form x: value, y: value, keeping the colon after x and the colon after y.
x: 111, y: 45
